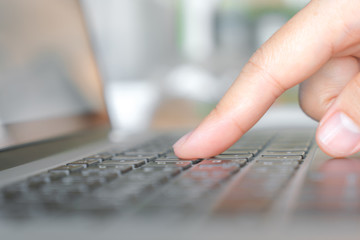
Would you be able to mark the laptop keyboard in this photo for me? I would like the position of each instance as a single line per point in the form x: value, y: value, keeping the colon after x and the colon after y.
x: 150, y: 177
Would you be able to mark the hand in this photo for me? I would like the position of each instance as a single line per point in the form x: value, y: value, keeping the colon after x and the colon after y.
x: 320, y: 48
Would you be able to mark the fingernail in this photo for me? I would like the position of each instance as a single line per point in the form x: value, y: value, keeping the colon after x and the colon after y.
x: 339, y: 135
x: 182, y: 140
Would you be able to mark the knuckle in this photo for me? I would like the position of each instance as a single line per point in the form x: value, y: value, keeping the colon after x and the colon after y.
x: 219, y: 114
x: 315, y: 104
x: 277, y: 87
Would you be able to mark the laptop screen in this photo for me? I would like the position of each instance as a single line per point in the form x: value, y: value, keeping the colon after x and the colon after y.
x: 49, y: 84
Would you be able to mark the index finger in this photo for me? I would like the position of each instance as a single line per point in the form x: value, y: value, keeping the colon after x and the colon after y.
x: 290, y: 56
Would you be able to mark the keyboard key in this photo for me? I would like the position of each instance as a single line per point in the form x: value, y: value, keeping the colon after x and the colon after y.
x: 171, y: 172
x: 163, y: 164
x: 237, y: 153
x: 284, y: 153
x: 207, y: 176
x: 276, y: 163
x: 148, y: 155
x: 100, y: 169
x: 15, y: 190
x: 290, y: 158
x: 87, y: 162
x: 37, y: 181
x: 234, y: 151
x: 229, y: 168
x: 43, y: 178
x: 108, y: 173
x: 146, y: 151
x: 217, y: 165
x: 195, y: 161
x: 234, y: 157
x: 224, y: 162
x: 287, y: 149
x: 100, y: 156
x: 65, y: 190
x: 67, y: 169
x: 152, y: 178
x: 84, y: 165
x: 134, y: 163
x: 131, y: 158
x: 123, y: 190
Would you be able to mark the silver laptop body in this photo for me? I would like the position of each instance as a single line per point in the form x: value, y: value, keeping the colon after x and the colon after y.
x: 63, y: 174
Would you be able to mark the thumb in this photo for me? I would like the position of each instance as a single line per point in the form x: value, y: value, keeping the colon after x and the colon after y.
x: 339, y: 131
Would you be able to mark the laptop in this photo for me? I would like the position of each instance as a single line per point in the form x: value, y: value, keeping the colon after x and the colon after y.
x: 61, y: 175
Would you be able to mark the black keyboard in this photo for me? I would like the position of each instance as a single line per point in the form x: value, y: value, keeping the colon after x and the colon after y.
x: 150, y: 178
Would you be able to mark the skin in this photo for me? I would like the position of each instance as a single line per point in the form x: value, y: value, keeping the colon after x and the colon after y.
x: 319, y: 48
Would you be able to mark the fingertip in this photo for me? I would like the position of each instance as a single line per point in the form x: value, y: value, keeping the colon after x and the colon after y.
x: 213, y: 136
x: 178, y: 148
x: 194, y: 145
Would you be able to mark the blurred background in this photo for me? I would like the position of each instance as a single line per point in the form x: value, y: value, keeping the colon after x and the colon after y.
x: 166, y: 63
